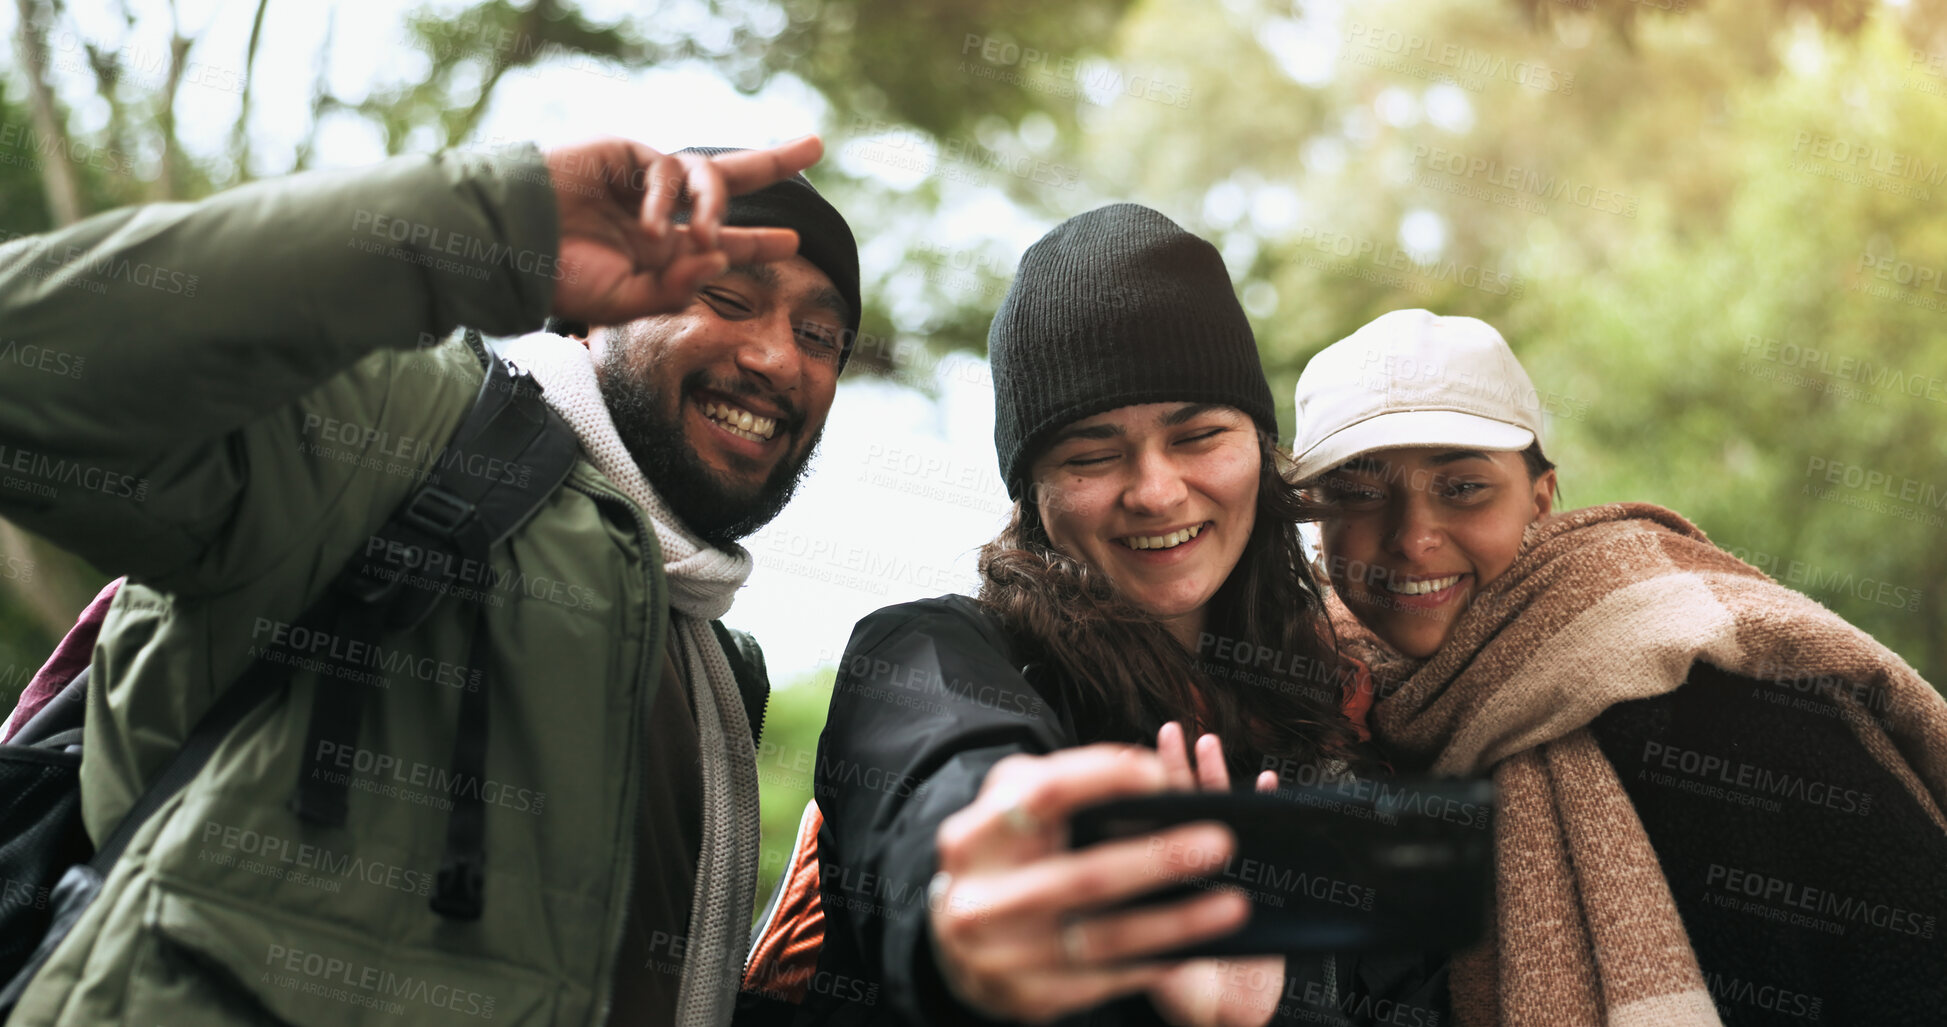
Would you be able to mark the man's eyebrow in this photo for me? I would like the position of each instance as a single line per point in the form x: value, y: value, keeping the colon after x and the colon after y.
x: 1456, y: 455
x: 763, y: 274
x: 833, y: 301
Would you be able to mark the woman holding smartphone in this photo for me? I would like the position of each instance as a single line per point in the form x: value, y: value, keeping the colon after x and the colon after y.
x: 1719, y: 801
x: 1151, y: 525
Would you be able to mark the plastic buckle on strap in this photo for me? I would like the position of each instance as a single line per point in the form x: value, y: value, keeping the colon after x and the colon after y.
x: 438, y: 511
x: 365, y: 583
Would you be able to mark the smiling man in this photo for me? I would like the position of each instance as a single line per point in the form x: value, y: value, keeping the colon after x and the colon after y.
x: 275, y: 421
x: 721, y: 403
x: 706, y: 416
x: 712, y: 414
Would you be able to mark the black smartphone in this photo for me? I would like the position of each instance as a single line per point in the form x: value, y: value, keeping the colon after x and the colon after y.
x: 1366, y: 865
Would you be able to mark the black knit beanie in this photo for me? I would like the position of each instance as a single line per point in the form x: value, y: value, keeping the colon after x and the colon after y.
x: 824, y: 238
x: 1112, y: 308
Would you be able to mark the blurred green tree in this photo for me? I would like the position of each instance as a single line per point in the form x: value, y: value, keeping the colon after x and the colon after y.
x: 57, y: 166
x: 1713, y: 233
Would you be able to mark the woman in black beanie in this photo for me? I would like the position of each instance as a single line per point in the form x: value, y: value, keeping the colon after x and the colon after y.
x: 1152, y: 535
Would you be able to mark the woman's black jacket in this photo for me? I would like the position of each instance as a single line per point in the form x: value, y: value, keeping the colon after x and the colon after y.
x: 929, y: 696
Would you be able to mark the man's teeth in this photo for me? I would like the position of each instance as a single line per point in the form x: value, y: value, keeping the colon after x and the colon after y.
x: 1169, y: 541
x: 1420, y: 588
x: 742, y: 423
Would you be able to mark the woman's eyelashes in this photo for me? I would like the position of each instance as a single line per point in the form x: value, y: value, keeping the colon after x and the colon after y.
x: 1462, y: 491
x: 1345, y: 492
x: 1099, y: 458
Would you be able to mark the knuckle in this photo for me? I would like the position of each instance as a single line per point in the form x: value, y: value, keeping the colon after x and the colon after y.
x: 954, y: 837
x: 954, y: 930
x: 1008, y: 767
x: 1090, y: 883
x: 1209, y: 915
x: 1015, y: 998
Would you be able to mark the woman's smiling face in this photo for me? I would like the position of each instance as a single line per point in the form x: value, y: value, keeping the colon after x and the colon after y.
x: 1414, y: 534
x: 1161, y: 497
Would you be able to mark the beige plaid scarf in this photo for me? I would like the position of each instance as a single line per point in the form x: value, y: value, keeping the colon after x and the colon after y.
x: 1601, y: 606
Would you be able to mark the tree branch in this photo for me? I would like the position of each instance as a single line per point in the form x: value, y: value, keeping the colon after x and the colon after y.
x: 239, y: 138
x: 321, y: 98
x: 169, y: 182
x: 57, y: 172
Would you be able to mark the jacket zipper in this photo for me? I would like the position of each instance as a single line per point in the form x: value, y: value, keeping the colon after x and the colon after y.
x: 658, y: 636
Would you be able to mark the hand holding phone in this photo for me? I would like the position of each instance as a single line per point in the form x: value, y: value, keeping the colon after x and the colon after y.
x: 1022, y: 928
x: 1363, y: 864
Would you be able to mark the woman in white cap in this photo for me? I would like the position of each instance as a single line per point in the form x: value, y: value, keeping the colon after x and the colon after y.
x: 1152, y: 529
x: 1719, y: 801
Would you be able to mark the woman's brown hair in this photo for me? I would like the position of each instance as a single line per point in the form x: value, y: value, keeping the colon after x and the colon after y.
x: 1266, y: 678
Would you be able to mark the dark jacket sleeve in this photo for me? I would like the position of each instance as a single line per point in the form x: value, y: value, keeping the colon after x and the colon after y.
x: 1809, y: 879
x: 926, y: 700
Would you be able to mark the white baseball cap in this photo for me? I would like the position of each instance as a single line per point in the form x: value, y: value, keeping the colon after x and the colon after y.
x: 1410, y: 378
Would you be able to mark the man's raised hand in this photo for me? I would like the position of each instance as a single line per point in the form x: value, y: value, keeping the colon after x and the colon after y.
x: 622, y: 257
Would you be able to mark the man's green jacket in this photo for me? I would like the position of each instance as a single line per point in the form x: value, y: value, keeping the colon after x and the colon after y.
x: 224, y: 400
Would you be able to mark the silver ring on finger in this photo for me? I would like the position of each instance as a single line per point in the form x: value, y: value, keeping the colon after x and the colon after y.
x: 1019, y: 819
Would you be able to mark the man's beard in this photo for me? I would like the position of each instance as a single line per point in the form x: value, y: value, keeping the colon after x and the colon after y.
x: 718, y: 512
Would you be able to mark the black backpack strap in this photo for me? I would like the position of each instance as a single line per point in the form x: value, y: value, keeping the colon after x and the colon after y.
x: 510, y: 454
x: 435, y: 540
x: 335, y: 710
x: 753, y: 678
x: 460, y: 885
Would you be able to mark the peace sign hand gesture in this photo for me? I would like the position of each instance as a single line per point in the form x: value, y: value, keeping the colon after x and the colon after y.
x: 621, y: 256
